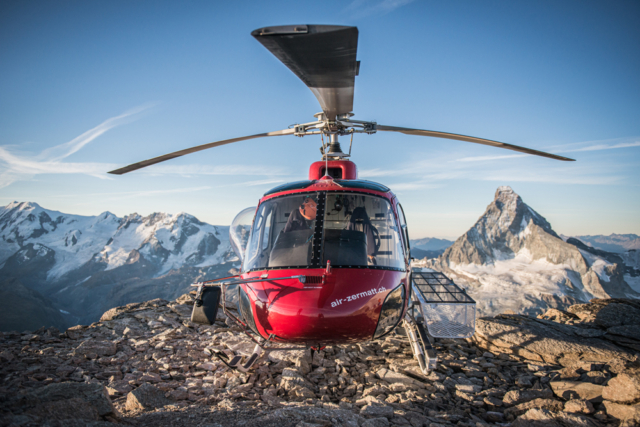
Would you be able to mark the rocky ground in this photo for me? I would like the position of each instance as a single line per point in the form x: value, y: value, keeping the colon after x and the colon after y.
x: 147, y: 365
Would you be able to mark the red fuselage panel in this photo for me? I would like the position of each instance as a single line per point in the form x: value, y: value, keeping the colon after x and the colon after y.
x: 344, y: 309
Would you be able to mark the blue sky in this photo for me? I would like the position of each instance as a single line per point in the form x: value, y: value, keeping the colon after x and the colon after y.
x: 89, y: 86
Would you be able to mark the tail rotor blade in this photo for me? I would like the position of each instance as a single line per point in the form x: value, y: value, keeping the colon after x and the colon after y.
x: 145, y: 163
x: 420, y: 132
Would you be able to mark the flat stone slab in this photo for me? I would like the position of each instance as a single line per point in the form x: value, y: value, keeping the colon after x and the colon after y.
x: 543, y: 340
x: 570, y: 390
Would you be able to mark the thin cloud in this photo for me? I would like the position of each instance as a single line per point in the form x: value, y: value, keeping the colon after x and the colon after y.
x: 373, y: 173
x: 23, y: 167
x: 550, y: 177
x: 62, y: 151
x: 368, y: 7
x: 260, y: 182
x: 190, y: 170
x: 138, y: 194
x: 409, y: 186
x: 600, y: 147
x: 486, y: 158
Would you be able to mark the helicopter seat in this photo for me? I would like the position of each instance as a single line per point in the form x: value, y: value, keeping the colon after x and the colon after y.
x: 345, y: 247
x: 291, y: 249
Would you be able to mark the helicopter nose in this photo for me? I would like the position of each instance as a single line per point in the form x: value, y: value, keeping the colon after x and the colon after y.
x: 346, y: 309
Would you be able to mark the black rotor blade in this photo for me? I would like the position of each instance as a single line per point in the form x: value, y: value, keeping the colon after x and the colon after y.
x: 420, y: 132
x: 145, y: 163
x: 322, y: 56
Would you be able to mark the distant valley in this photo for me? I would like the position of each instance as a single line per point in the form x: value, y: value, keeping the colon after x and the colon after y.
x: 429, y: 247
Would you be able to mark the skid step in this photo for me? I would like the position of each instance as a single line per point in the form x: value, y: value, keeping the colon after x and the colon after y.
x: 234, y: 362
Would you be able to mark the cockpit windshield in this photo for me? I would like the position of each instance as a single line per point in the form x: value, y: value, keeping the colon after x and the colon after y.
x: 307, y: 230
x: 360, y: 230
x: 282, y: 233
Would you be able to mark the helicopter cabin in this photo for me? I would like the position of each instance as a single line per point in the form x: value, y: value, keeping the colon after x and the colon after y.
x: 342, y: 221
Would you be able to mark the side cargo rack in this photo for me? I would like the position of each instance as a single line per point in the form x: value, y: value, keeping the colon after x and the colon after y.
x: 447, y: 310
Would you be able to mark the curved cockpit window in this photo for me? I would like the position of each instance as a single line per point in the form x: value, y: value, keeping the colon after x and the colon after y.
x: 282, y: 233
x: 349, y: 229
x: 361, y: 230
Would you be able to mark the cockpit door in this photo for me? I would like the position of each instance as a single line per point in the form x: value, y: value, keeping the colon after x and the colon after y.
x: 240, y: 230
x: 405, y: 231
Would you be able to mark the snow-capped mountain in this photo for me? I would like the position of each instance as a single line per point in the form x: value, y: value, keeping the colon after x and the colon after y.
x: 83, y: 265
x: 512, y: 259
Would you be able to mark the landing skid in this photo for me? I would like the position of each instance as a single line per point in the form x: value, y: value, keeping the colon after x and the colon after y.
x: 438, y: 309
x: 421, y: 344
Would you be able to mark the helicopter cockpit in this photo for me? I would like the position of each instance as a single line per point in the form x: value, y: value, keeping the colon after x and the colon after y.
x: 348, y: 229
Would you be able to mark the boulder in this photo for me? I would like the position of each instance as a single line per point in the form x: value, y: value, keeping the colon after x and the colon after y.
x: 65, y: 409
x: 549, y: 404
x: 291, y: 378
x: 315, y: 415
x: 546, y: 418
x: 618, y: 366
x: 145, y: 397
x: 515, y: 397
x: 616, y: 314
x: 579, y: 406
x: 543, y: 340
x: 622, y: 412
x: 570, y: 390
x: 396, y: 377
x: 377, y: 411
x: 376, y: 422
x: 92, y: 349
x: 301, y: 393
x: 593, y: 311
x: 624, y: 388
x: 69, y: 395
x: 558, y: 316
x: 627, y: 331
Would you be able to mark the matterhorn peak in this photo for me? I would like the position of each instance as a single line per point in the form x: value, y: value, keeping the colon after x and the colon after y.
x: 506, y: 194
x: 507, y: 199
x: 502, y: 231
x: 512, y: 259
x: 505, y: 189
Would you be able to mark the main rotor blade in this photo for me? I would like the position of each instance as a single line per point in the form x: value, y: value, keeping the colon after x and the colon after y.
x: 322, y: 56
x: 420, y: 132
x: 145, y: 163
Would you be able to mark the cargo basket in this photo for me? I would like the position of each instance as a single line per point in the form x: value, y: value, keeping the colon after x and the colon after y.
x: 447, y: 310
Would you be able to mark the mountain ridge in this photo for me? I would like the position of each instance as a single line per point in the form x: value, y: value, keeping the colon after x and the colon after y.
x: 617, y: 243
x: 84, y: 265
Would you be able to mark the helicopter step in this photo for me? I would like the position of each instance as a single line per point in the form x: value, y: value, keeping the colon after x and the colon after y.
x: 234, y: 362
x: 421, y: 344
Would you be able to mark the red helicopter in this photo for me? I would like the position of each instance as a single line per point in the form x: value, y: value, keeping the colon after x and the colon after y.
x: 327, y: 260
